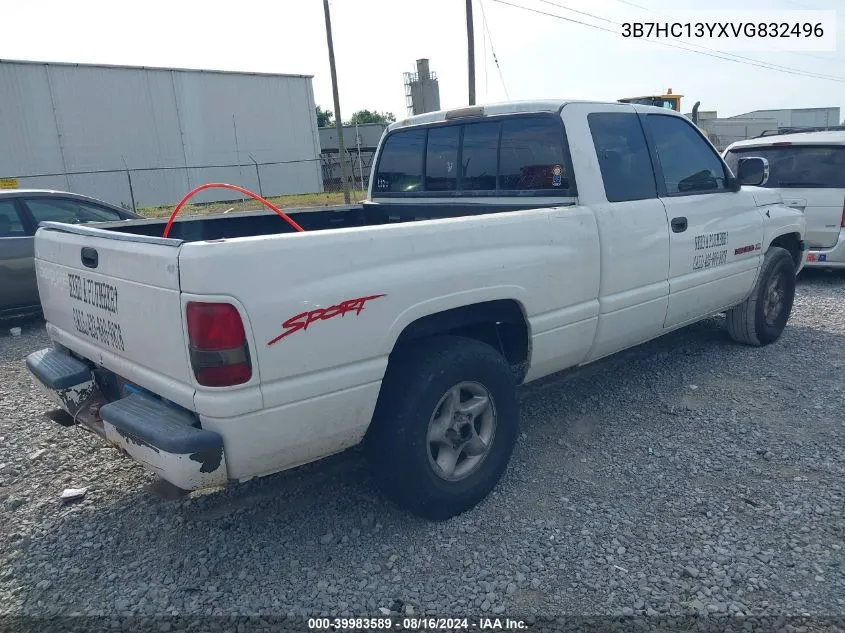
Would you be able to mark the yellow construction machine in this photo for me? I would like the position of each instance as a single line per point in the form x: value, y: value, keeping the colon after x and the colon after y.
x: 669, y: 101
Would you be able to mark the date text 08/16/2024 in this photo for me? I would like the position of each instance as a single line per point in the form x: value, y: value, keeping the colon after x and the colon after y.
x: 416, y: 624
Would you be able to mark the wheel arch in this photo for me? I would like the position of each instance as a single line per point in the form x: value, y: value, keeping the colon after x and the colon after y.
x: 791, y: 242
x: 500, y: 323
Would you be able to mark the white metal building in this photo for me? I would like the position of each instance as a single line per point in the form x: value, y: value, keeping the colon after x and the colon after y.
x: 361, y: 142
x: 162, y: 130
x: 796, y: 117
x: 723, y: 132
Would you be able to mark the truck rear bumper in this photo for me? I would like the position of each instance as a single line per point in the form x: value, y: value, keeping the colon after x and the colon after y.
x: 163, y: 438
x: 833, y: 257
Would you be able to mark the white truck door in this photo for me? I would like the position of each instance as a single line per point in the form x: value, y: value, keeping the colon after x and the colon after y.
x: 715, y: 232
x: 616, y: 179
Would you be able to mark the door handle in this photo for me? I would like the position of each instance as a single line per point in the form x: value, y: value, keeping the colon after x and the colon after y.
x: 679, y: 225
x: 89, y: 257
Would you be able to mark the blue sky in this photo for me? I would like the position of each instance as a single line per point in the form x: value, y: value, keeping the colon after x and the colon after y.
x: 377, y: 40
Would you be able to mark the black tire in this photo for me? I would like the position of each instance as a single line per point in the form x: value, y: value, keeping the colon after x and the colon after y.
x: 747, y: 322
x: 418, y: 377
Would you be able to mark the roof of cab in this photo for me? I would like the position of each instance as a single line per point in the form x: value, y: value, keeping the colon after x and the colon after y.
x: 823, y: 137
x: 507, y: 107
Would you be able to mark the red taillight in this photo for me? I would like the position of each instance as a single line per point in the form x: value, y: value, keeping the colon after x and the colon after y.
x: 842, y: 224
x: 214, y: 326
x: 219, y: 353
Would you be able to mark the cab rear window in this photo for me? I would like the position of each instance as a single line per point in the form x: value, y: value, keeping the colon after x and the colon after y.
x: 506, y: 156
x: 401, y: 163
x: 797, y: 166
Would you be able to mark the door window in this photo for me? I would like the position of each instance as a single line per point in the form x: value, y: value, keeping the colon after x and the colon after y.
x: 68, y: 211
x: 94, y: 213
x: 623, y: 156
x: 11, y: 224
x: 797, y: 166
x: 689, y: 163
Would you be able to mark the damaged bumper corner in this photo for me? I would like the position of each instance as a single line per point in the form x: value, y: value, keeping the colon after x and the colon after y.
x: 65, y: 380
x: 161, y: 437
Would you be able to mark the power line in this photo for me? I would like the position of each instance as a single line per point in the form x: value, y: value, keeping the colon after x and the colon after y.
x: 637, y: 6
x: 492, y: 50
x: 589, y: 15
x: 736, y: 59
x: 666, y: 15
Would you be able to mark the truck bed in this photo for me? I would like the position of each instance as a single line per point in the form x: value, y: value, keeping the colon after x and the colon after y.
x: 253, y: 223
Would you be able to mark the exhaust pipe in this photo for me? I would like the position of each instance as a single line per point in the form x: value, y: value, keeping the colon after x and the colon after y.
x: 695, y: 112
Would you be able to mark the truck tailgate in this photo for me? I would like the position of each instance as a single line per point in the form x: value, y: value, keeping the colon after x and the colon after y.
x: 114, y: 299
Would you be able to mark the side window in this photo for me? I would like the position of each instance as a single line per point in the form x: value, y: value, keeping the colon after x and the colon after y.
x: 689, y: 164
x: 531, y: 155
x: 92, y: 213
x: 401, y: 162
x: 797, y: 166
x: 53, y: 211
x: 10, y: 220
x: 479, y: 157
x: 441, y: 158
x: 623, y: 156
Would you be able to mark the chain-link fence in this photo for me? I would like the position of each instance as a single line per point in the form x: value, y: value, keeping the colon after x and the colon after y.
x: 309, y: 182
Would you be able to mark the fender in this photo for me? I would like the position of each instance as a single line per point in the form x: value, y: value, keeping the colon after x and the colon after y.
x: 449, y: 302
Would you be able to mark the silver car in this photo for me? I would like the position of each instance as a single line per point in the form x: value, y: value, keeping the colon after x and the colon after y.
x: 21, y: 210
x: 808, y: 170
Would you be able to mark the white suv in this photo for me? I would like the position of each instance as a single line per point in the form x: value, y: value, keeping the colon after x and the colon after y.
x: 808, y: 169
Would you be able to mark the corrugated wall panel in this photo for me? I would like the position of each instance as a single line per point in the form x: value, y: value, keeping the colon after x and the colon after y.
x: 370, y: 134
x: 159, y: 186
x: 231, y: 119
x: 107, y: 116
x: 30, y: 144
x: 806, y: 117
x: 165, y: 125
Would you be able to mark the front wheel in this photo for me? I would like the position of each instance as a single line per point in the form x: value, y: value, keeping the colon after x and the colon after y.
x: 762, y: 317
x: 444, y: 427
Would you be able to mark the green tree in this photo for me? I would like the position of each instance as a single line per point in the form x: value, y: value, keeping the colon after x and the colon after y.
x: 365, y: 116
x: 325, y: 118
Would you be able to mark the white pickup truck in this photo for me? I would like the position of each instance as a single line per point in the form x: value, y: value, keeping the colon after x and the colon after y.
x: 498, y: 244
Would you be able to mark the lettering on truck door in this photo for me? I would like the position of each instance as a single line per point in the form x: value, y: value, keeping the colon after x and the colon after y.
x: 715, y: 232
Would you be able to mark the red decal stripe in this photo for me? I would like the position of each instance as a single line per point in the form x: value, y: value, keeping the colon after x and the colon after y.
x: 304, y: 319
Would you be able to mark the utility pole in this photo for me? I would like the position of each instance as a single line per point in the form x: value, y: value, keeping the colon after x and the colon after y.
x: 470, y: 54
x: 344, y: 167
x: 360, y: 164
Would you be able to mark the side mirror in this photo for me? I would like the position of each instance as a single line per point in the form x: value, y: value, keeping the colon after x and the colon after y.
x: 752, y: 170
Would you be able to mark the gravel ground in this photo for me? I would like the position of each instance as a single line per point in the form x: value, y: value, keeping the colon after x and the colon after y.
x: 687, y: 476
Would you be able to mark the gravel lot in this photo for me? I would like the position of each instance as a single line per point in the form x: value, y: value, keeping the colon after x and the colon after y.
x: 689, y: 475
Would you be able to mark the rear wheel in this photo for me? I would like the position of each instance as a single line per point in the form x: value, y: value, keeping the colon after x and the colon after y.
x: 444, y: 427
x: 762, y: 317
